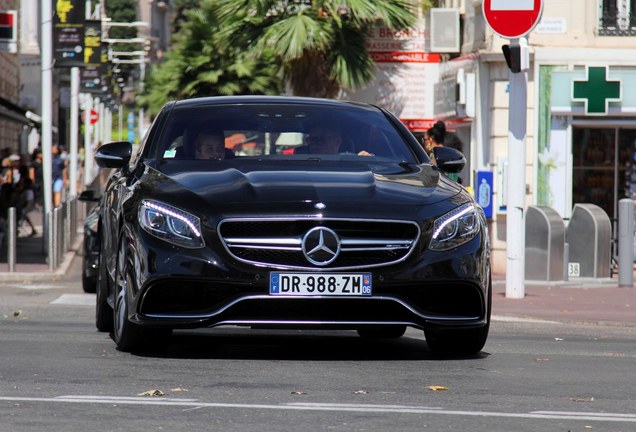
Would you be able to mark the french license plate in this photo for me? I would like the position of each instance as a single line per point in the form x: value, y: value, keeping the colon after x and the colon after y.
x: 317, y: 284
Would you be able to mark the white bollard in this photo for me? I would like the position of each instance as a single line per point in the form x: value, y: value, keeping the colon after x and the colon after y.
x: 626, y: 243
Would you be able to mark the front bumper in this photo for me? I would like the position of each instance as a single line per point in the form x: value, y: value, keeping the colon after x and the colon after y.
x: 197, y: 288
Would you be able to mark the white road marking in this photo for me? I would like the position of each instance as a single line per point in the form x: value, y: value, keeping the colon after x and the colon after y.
x: 40, y: 287
x: 75, y: 299
x: 193, y: 403
x: 511, y: 319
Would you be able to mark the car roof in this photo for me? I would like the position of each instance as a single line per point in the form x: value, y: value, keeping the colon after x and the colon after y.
x: 250, y: 99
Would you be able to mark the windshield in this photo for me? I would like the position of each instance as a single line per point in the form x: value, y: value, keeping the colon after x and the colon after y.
x: 280, y: 131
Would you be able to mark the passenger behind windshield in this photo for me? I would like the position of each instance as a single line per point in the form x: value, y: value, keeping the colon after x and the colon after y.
x: 209, y: 145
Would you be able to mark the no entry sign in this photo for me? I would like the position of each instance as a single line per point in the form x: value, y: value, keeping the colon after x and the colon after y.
x: 94, y: 116
x: 512, y: 18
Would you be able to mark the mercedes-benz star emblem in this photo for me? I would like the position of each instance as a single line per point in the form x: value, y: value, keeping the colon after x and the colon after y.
x: 321, y: 246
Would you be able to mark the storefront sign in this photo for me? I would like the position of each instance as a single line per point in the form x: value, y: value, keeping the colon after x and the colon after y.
x: 90, y: 78
x: 9, y: 31
x: 68, y: 33
x: 484, y: 190
x: 596, y: 91
x: 593, y: 91
x: 405, y: 76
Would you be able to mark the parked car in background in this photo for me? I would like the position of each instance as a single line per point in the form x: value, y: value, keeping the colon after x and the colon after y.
x: 314, y: 214
x: 90, y: 256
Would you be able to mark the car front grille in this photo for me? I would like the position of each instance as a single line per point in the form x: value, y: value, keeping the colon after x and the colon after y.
x: 278, y: 243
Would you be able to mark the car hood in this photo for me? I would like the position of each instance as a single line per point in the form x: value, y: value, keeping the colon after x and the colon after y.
x: 292, y: 186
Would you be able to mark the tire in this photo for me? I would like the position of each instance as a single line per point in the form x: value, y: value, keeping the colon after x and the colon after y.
x: 127, y: 335
x: 103, y: 311
x: 388, y: 332
x: 460, y: 342
x: 89, y: 284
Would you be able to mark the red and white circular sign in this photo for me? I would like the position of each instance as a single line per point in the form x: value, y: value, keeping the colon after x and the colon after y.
x: 512, y: 18
x: 94, y: 116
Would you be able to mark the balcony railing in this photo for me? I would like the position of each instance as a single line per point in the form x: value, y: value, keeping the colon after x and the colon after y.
x: 616, y: 24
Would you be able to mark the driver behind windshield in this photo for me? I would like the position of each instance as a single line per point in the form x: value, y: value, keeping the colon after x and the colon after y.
x: 323, y: 140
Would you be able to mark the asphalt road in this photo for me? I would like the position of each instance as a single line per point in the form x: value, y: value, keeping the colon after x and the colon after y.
x: 57, y: 373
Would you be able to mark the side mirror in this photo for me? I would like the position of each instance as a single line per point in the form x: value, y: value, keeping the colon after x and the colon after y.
x: 448, y: 159
x: 89, y: 195
x: 114, y: 154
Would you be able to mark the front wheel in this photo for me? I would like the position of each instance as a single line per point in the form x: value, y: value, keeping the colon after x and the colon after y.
x: 126, y: 335
x: 129, y: 336
x: 103, y: 311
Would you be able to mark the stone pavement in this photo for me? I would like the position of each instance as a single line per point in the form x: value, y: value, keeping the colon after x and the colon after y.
x: 599, y: 301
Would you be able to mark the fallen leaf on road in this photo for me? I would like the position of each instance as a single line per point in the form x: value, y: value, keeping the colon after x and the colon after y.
x: 590, y: 399
x: 153, y: 393
x: 437, y: 388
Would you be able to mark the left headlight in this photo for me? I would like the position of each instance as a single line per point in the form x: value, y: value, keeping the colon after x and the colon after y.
x: 455, y: 228
x: 170, y: 224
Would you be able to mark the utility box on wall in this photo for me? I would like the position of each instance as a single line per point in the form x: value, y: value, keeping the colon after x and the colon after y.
x: 443, y: 26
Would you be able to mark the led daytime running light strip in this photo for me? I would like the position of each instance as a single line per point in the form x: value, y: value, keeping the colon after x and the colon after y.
x: 174, y: 215
x: 451, y: 219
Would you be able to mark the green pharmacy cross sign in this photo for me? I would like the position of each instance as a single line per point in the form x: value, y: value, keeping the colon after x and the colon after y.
x: 596, y: 90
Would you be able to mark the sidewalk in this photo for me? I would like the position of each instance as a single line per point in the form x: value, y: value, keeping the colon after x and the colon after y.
x: 599, y: 301
x: 31, y: 255
x: 31, y: 261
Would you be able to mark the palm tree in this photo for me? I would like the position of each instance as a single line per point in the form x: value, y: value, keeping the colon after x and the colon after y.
x: 321, y: 44
x: 201, y: 64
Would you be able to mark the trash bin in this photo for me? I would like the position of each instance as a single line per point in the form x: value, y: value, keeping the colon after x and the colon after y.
x: 589, y: 235
x: 545, y: 244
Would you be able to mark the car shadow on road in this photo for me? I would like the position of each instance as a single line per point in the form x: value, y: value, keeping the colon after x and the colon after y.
x: 293, y: 345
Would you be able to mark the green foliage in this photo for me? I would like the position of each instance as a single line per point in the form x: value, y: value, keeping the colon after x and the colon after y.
x: 321, y: 44
x: 201, y: 64
x: 122, y: 11
x: 316, y: 47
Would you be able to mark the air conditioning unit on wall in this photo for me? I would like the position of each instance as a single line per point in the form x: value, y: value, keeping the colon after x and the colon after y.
x: 444, y: 31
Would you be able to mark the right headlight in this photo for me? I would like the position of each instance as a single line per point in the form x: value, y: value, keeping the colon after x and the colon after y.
x: 171, y: 224
x: 455, y: 228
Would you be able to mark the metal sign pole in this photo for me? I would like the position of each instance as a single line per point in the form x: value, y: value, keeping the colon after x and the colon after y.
x: 74, y: 134
x: 516, y: 202
x: 46, y: 52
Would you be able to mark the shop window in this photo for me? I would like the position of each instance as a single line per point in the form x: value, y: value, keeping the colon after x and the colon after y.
x: 604, y: 166
x: 617, y: 18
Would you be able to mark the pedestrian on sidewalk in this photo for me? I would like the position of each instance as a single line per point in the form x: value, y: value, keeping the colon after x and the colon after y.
x: 59, y: 175
x: 35, y: 173
x: 25, y: 199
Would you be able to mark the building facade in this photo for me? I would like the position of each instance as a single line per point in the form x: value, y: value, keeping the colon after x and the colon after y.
x: 11, y: 117
x: 581, y: 115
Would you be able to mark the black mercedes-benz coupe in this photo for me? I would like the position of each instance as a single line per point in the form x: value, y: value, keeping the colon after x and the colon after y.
x: 287, y: 212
